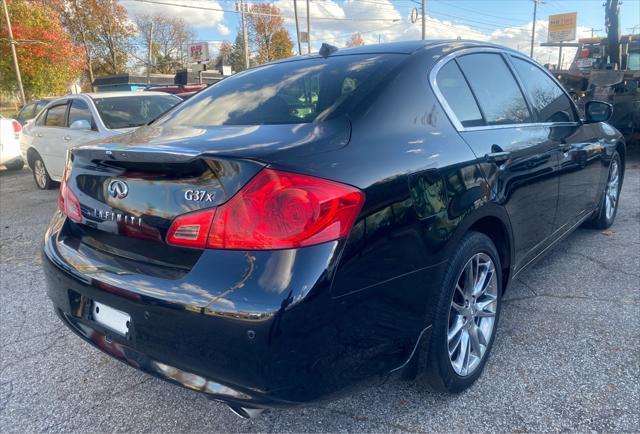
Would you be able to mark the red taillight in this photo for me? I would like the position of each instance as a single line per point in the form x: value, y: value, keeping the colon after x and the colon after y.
x: 68, y: 203
x: 17, y: 128
x: 275, y: 210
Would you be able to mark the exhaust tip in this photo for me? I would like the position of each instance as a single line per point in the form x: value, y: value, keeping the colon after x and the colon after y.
x: 246, y: 413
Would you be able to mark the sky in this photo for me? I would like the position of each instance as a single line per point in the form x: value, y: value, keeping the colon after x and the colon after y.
x: 506, y: 22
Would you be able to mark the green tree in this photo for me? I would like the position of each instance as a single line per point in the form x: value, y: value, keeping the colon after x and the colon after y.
x: 233, y: 54
x: 49, y: 61
x: 267, y: 34
x: 103, y: 29
x: 112, y: 37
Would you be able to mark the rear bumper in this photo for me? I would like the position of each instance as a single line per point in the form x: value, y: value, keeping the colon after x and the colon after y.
x: 12, y: 161
x: 257, y: 329
x: 121, y: 349
x: 10, y: 154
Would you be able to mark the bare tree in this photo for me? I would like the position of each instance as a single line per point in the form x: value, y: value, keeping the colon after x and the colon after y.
x: 168, y: 39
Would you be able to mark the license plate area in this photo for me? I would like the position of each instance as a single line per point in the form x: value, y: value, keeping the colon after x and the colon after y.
x: 110, y: 318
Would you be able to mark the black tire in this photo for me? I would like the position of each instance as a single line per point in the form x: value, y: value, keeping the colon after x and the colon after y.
x: 601, y: 219
x: 439, y: 370
x: 15, y: 165
x: 42, y: 179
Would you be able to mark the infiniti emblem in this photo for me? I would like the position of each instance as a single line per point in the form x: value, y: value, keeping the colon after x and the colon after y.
x: 118, y: 189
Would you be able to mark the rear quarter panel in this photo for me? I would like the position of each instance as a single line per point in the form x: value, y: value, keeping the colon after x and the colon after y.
x: 421, y: 181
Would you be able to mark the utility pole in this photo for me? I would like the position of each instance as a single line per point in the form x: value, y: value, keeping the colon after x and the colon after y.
x: 593, y: 30
x: 308, y: 29
x: 560, y: 56
x: 533, y: 29
x: 295, y: 12
x: 149, y: 48
x: 13, y: 53
x: 245, y: 37
x: 424, y: 21
x: 612, y: 25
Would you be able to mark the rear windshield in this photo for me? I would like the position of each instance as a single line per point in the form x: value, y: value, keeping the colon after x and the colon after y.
x: 293, y: 92
x: 134, y: 110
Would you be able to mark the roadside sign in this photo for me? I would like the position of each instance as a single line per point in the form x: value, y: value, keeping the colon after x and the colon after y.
x: 198, y: 52
x: 562, y: 27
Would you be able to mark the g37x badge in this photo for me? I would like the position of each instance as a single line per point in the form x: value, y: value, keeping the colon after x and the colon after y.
x: 199, y: 196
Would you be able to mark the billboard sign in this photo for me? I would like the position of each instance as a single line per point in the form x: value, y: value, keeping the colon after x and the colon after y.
x: 198, y: 52
x: 562, y: 27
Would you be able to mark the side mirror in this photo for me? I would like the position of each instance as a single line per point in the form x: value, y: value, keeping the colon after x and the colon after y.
x: 598, y: 111
x: 80, y: 124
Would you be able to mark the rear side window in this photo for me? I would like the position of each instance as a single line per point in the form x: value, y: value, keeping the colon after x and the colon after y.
x: 55, y: 116
x: 458, y: 96
x: 27, y: 112
x: 39, y: 106
x: 293, y: 92
x: 495, y: 88
x: 133, y: 111
x: 548, y: 99
x: 80, y: 111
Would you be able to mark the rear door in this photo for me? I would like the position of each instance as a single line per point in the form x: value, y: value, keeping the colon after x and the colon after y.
x: 487, y: 104
x: 580, y: 148
x: 49, y: 137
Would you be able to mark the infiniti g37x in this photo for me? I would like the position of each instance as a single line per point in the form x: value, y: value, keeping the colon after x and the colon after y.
x: 364, y: 211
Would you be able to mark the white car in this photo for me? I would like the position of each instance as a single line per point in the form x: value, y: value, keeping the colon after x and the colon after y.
x: 10, y: 130
x: 73, y: 120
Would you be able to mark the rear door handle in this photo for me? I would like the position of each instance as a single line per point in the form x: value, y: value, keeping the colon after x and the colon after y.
x: 39, y: 134
x: 498, y: 157
x: 67, y: 138
x: 566, y: 147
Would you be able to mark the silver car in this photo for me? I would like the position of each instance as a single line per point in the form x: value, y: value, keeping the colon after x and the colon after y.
x: 77, y: 119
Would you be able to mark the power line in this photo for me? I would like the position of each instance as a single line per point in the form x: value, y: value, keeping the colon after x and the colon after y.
x: 206, y: 8
x: 510, y: 20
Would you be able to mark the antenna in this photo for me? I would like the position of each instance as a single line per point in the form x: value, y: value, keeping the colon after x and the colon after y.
x: 326, y: 50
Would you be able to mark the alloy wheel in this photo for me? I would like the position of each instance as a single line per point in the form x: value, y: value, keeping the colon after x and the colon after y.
x: 40, y: 173
x: 612, y: 191
x: 472, y: 316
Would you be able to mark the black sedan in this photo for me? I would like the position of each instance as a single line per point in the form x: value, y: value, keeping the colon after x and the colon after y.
x: 326, y: 222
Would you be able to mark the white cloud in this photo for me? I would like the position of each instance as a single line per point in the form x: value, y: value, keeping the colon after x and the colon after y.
x: 224, y: 30
x: 194, y: 17
x: 382, y: 21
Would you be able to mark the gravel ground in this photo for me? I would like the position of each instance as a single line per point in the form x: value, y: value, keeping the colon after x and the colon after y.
x: 566, y: 357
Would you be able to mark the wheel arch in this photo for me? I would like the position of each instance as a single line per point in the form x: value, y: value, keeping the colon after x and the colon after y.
x: 493, y: 221
x: 32, y: 153
x: 622, y: 151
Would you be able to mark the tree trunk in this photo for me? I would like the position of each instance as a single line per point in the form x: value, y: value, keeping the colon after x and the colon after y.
x: 87, y: 52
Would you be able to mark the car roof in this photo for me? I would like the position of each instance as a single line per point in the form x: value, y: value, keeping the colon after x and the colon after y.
x: 103, y: 95
x: 402, y: 47
x: 405, y: 47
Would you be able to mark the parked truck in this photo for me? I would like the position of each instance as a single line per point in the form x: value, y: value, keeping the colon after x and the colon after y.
x: 592, y: 76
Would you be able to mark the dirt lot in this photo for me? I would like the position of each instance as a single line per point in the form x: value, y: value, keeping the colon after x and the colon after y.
x: 567, y: 353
